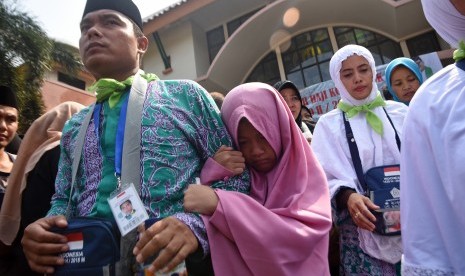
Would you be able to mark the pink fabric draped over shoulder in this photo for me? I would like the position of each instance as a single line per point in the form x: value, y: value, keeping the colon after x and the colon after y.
x: 282, y: 227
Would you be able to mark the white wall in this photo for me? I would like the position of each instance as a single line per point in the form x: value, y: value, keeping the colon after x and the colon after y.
x: 201, y: 51
x: 178, y: 42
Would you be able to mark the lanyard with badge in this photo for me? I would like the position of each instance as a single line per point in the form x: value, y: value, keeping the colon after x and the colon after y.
x: 124, y: 201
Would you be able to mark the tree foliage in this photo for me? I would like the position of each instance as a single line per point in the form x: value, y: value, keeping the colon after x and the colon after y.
x: 26, y: 55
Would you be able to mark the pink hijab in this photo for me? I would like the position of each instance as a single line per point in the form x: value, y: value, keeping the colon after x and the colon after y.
x: 282, y: 227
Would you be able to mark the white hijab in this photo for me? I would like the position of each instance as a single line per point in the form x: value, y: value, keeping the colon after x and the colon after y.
x: 445, y: 19
x: 335, y: 66
x: 375, y: 150
x: 385, y: 147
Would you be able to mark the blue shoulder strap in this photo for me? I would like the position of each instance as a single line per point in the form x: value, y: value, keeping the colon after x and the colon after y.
x: 354, y: 149
x: 131, y: 151
x: 354, y: 152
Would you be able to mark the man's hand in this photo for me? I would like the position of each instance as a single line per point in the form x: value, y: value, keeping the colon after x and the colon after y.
x: 201, y: 199
x: 359, y: 208
x: 171, y: 239
x: 230, y: 159
x: 42, y: 247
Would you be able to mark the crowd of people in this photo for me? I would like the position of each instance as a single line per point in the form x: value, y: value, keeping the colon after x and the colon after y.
x: 247, y: 183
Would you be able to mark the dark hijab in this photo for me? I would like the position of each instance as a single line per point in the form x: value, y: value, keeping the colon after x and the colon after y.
x: 280, y: 85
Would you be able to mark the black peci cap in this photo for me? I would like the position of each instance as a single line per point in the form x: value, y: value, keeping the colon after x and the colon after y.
x: 8, y: 97
x: 126, y: 7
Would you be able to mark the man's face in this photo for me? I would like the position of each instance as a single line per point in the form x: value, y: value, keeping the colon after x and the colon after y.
x: 8, y: 124
x: 108, y: 45
x: 126, y: 207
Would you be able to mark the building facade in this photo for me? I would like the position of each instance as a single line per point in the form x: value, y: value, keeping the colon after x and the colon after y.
x: 223, y: 43
x: 60, y: 87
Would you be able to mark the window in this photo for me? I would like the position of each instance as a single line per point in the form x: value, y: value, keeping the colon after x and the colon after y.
x: 216, y: 37
x: 383, y: 49
x: 423, y: 44
x: 69, y: 80
x: 266, y: 71
x: 306, y: 62
x: 233, y: 25
x: 215, y: 40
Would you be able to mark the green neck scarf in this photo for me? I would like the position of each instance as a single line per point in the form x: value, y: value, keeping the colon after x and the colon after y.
x: 459, y: 54
x: 112, y: 89
x: 373, y: 120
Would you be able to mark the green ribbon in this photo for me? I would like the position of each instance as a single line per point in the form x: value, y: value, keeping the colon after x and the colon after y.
x: 373, y: 120
x: 459, y: 54
x: 112, y: 89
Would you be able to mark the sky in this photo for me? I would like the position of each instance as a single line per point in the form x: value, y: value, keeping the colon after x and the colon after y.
x: 60, y: 18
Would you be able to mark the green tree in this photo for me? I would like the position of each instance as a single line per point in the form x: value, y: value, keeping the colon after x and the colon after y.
x: 26, y: 54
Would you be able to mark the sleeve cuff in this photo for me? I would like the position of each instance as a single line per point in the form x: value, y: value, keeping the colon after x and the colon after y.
x: 197, y: 226
x: 342, y: 197
x: 214, y: 171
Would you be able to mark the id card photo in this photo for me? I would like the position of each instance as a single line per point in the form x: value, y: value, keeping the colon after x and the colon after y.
x: 127, y: 209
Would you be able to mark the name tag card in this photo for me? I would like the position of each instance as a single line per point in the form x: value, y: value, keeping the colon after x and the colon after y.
x: 127, y: 208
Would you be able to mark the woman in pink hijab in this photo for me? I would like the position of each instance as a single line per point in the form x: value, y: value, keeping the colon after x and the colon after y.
x: 282, y: 227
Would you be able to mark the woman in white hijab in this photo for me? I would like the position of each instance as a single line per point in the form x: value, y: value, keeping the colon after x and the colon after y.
x: 353, y: 71
x: 433, y: 158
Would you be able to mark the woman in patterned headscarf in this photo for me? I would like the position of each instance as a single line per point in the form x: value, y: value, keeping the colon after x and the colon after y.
x: 353, y: 71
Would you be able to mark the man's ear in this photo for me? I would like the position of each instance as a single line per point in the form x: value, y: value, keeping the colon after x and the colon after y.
x: 142, y: 44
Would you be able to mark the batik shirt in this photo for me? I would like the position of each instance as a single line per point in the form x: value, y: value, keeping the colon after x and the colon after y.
x: 181, y: 128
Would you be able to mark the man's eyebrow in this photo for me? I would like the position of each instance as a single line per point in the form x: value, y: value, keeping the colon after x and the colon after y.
x: 102, y: 16
x: 110, y: 16
x: 83, y: 22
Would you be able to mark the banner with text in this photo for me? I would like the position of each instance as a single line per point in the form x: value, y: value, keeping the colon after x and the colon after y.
x: 323, y: 97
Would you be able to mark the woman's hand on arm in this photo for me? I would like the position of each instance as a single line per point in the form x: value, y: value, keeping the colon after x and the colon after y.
x: 230, y: 159
x: 200, y: 199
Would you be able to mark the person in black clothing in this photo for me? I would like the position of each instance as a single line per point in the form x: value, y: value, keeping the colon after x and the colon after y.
x: 8, y: 128
x: 307, y: 118
x: 13, y: 146
x: 31, y: 185
x: 292, y: 97
x: 34, y: 205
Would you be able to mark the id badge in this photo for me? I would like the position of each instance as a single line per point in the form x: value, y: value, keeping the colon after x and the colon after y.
x: 127, y: 208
